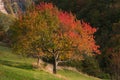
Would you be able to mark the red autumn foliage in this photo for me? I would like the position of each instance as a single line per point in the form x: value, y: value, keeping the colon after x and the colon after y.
x: 67, y: 19
x: 81, y: 33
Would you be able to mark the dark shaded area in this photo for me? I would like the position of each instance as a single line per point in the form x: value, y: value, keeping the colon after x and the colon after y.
x: 17, y: 64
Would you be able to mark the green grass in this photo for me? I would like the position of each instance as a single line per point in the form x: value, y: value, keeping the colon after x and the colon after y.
x: 14, y: 67
x: 12, y: 73
x: 72, y: 75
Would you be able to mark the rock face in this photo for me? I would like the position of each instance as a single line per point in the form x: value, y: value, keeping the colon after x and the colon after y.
x: 14, y: 6
x: 2, y: 9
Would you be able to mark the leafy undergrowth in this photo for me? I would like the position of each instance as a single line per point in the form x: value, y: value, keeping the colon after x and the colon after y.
x: 14, y: 67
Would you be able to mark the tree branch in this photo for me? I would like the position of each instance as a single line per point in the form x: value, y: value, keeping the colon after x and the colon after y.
x: 63, y: 61
x: 48, y: 51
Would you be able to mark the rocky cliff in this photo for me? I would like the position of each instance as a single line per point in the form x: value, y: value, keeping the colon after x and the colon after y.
x: 13, y: 6
x: 2, y: 8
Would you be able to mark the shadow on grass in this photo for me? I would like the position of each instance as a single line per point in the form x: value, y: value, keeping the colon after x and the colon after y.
x: 17, y: 64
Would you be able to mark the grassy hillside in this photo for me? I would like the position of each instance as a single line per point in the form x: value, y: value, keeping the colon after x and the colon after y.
x: 14, y: 67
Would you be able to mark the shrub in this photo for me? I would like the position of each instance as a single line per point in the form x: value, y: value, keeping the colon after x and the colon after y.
x: 91, y: 67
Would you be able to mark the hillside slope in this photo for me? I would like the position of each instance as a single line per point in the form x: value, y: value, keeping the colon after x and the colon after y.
x: 14, y: 67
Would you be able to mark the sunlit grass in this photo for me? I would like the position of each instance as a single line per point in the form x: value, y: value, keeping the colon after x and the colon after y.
x: 13, y: 73
x: 72, y: 75
x: 16, y: 67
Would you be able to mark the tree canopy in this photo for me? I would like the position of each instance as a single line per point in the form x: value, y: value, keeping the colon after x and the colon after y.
x: 48, y: 31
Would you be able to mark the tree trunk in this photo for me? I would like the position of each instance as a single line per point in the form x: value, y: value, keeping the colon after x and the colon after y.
x: 38, y: 61
x: 54, y: 66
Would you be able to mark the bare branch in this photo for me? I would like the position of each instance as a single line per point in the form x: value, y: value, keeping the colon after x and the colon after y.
x: 64, y: 61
